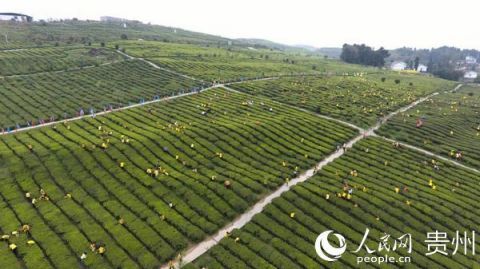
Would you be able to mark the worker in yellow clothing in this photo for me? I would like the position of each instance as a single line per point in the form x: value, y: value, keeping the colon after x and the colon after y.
x: 122, y: 165
x: 397, y: 189
x: 13, y: 248
x: 30, y: 242
x: 102, y: 250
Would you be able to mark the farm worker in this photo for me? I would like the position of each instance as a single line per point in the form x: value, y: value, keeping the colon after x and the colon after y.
x: 214, y: 177
x: 93, y: 246
x: 68, y: 196
x: 397, y: 190
x: 149, y: 171
x: 104, y: 146
x: 192, y: 145
x: 292, y: 215
x: 34, y: 201
x: 237, y: 239
x: 364, y: 189
x: 170, y: 205
x: 43, y: 195
x: 327, y: 196
x: 13, y: 248
x: 227, y: 184
x: 171, y: 265
x: 156, y: 172
x: 284, y: 163
x: 350, y: 191
x: 101, y: 250
x: 99, y: 128
x: 121, y: 221
x: 349, y: 196
x: 15, y: 233
x: 434, y: 187
x: 5, y: 237
x: 430, y: 183
x: 26, y: 228
x: 83, y: 256
x: 451, y: 132
x: 408, y: 202
x: 452, y: 153
x: 122, y: 164
x: 30, y: 242
x: 28, y: 195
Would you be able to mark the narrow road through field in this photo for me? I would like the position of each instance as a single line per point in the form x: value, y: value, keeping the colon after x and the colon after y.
x: 158, y: 67
x: 127, y: 107
x: 197, y: 250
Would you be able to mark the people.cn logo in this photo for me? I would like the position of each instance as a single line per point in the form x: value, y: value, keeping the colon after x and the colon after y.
x: 328, y: 252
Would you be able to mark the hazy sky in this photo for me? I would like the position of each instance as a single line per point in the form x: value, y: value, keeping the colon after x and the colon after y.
x: 414, y: 23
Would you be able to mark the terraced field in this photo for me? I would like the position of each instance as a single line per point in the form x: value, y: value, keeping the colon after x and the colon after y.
x: 231, y: 63
x: 68, y: 32
x: 53, y: 59
x: 35, y: 97
x: 147, y: 182
x: 451, y: 125
x: 359, y: 100
x: 395, y: 191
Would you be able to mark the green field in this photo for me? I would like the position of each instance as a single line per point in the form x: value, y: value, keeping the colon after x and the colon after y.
x: 251, y: 142
x: 273, y: 239
x: 215, y: 63
x: 53, y: 59
x: 67, y: 32
x: 451, y: 125
x: 361, y: 100
x: 153, y: 180
x: 35, y: 97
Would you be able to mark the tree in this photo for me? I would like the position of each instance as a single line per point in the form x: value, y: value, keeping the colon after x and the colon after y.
x: 361, y: 54
x: 417, y: 62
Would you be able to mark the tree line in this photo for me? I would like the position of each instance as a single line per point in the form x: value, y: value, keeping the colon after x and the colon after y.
x: 365, y: 55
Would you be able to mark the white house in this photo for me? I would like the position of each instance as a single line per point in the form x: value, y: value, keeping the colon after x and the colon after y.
x: 470, y: 60
x: 422, y: 68
x: 398, y: 66
x: 470, y: 75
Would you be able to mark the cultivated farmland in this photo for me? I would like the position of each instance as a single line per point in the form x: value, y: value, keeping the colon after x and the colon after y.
x: 231, y: 63
x: 147, y: 182
x: 451, y: 125
x: 395, y: 191
x: 31, y: 98
x: 361, y: 100
x: 36, y: 60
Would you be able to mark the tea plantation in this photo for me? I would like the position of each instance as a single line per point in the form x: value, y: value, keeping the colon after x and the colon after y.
x: 361, y: 99
x: 36, y: 60
x: 172, y: 173
x: 450, y: 125
x: 34, y: 98
x: 395, y: 191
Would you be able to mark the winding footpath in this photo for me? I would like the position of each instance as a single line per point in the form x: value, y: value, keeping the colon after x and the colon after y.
x: 158, y: 67
x: 197, y: 250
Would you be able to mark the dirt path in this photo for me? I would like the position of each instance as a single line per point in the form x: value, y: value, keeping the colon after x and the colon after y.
x: 197, y: 250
